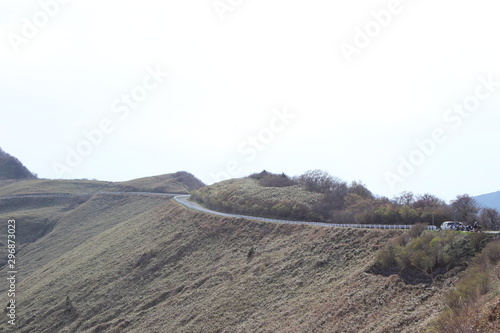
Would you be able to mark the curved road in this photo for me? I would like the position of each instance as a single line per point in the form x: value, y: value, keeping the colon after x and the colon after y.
x: 183, y: 199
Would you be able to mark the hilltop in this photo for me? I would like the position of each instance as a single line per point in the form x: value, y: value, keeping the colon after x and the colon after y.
x: 179, y: 182
x: 16, y: 179
x: 12, y: 168
x: 248, y: 196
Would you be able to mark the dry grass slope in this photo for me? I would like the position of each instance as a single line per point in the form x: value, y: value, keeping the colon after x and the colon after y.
x: 46, y: 233
x: 117, y: 263
x: 169, y: 269
x: 34, y: 186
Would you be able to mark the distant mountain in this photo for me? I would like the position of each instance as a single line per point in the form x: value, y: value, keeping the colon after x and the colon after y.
x: 12, y: 168
x: 490, y: 200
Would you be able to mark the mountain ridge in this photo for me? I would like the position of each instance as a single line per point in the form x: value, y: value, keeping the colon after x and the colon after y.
x: 489, y: 200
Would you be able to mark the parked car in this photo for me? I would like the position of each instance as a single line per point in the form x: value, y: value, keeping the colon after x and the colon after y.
x: 451, y: 225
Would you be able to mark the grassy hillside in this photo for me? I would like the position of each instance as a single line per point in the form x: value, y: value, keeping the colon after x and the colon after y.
x: 179, y: 182
x: 113, y: 264
x: 33, y: 186
x: 12, y: 168
x: 247, y: 196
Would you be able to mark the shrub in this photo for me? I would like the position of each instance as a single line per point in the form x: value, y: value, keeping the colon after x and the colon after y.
x: 417, y: 230
x: 491, y: 252
x: 433, y: 253
x: 277, y: 181
x: 454, y: 321
x: 385, y: 257
x: 250, y: 252
x: 465, y: 300
x: 403, y: 258
x: 400, y: 240
x: 259, y: 175
x: 478, y: 240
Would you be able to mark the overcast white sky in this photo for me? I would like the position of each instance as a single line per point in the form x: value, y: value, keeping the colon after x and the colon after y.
x: 232, y: 68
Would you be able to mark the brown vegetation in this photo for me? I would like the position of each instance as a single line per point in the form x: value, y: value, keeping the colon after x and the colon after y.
x: 474, y: 304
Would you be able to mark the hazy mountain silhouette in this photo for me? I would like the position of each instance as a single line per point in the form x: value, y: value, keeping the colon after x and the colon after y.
x: 490, y: 200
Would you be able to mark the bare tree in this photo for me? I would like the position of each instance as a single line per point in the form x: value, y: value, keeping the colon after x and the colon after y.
x: 336, y: 194
x: 334, y: 190
x: 490, y: 218
x: 316, y: 181
x: 360, y: 189
x: 405, y: 198
x: 466, y: 208
x: 427, y: 200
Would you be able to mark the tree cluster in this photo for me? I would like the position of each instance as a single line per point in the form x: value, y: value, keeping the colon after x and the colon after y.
x: 354, y: 203
x: 268, y: 179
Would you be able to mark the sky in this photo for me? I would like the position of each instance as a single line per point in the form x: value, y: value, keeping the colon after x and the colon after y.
x: 401, y: 95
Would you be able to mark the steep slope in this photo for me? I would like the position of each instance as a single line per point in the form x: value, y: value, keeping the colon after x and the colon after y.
x: 47, y: 228
x: 490, y: 200
x: 170, y: 269
x: 12, y: 168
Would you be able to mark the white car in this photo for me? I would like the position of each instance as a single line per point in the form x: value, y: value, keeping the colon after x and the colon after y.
x: 451, y: 225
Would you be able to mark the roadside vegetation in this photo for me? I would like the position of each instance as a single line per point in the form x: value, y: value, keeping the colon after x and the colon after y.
x: 418, y: 256
x: 474, y: 304
x: 318, y: 196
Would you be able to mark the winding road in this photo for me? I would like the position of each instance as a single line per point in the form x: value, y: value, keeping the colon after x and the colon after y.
x: 183, y: 199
